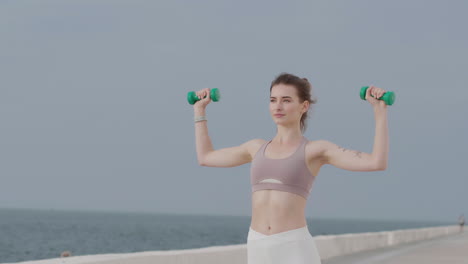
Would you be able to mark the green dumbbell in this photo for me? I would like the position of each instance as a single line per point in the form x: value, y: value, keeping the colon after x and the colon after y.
x: 214, y: 95
x: 387, y: 97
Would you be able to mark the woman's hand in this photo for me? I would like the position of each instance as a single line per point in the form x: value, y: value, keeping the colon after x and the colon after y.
x: 377, y: 93
x: 203, y: 102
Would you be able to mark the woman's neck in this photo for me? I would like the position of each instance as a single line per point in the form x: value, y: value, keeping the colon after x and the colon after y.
x: 287, y: 135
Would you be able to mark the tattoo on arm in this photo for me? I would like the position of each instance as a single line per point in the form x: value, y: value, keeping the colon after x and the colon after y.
x: 356, y: 153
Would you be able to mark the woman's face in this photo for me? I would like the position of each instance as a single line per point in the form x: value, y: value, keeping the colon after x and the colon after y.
x: 285, y: 107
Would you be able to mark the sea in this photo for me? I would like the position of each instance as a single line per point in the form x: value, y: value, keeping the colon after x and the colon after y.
x: 35, y: 234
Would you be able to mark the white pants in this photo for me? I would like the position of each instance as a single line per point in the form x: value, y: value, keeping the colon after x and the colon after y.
x: 296, y: 246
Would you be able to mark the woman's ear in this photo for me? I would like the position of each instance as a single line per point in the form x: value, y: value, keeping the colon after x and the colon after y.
x: 306, y: 106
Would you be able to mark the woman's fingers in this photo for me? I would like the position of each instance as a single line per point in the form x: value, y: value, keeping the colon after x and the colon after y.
x: 380, y: 93
x: 201, y: 94
x: 377, y: 92
x: 370, y: 91
x: 206, y: 93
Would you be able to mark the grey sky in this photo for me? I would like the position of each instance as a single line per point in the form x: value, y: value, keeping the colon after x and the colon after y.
x: 93, y: 111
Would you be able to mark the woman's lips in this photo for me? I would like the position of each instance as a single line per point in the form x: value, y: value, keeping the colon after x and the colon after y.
x: 279, y: 115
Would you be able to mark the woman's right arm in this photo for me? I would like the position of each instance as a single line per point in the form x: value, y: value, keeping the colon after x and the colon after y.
x: 206, y: 155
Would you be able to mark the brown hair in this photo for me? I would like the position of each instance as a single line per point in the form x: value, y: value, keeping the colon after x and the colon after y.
x: 303, y: 89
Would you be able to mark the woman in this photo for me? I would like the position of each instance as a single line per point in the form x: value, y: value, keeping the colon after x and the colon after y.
x: 283, y: 168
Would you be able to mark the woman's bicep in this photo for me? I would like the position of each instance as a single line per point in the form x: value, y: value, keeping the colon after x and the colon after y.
x: 347, y: 159
x: 228, y: 157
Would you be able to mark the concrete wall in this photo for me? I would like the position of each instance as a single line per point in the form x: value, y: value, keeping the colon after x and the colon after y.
x: 328, y: 246
x: 332, y: 246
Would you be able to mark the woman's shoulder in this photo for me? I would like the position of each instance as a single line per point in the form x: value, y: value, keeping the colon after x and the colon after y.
x: 258, y: 141
x: 254, y: 145
x: 318, y: 142
x: 315, y: 148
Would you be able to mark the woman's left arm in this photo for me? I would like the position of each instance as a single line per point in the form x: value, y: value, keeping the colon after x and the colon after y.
x: 381, y: 145
x: 360, y: 161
